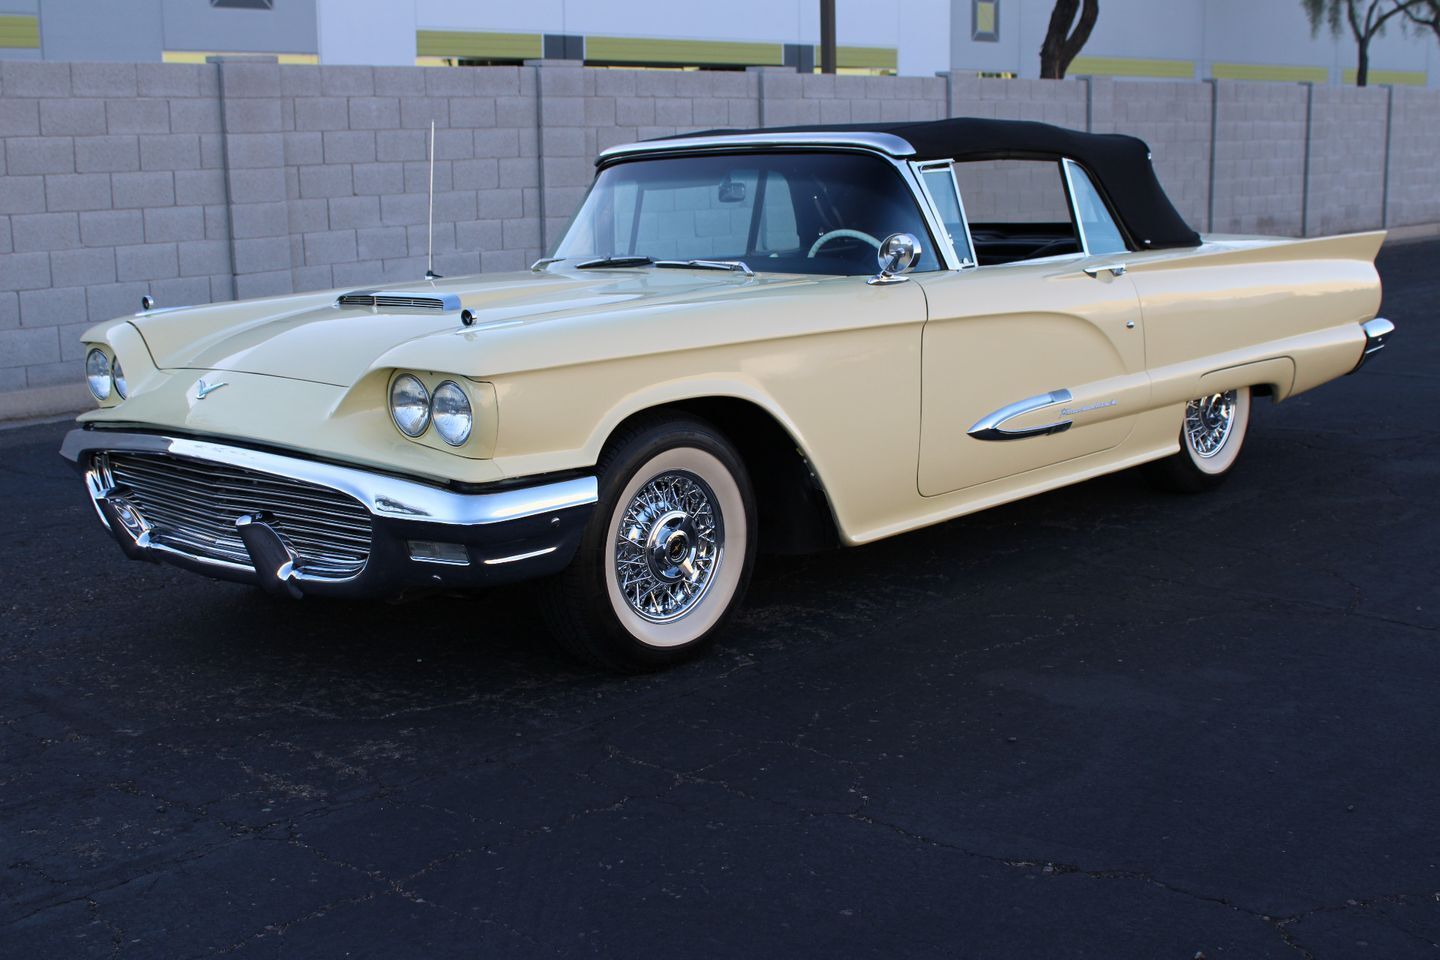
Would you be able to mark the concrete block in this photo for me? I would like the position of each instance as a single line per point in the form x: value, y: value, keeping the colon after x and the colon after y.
x: 363, y: 273
x: 451, y: 81
x: 349, y: 146
x: 517, y: 172
x: 322, y: 113
x: 272, y: 283
x: 515, y: 112
x: 108, y: 228
x: 24, y: 347
x: 418, y: 238
x: 204, y: 258
x: 82, y: 267
x: 252, y: 116
x: 417, y: 177
x: 75, y: 118
x: 326, y: 181
x: 107, y: 154
x: 53, y: 307
x: 78, y: 191
x: 24, y: 271
x: 308, y: 216
x: 499, y: 261
x: 255, y: 150
x: 299, y: 80
x: 380, y: 178
x: 478, y: 174
x: 35, y: 78
x: 199, y: 187
x: 374, y: 113
x: 145, y: 189
x: 471, y: 112
x: 169, y: 79
x: 103, y: 79
x: 241, y: 80
x: 194, y: 116
x: 500, y: 204
x: 9, y: 310
x: 405, y: 208
x: 352, y: 212
x: 110, y: 300
x: 260, y: 254
x: 520, y: 234
x: 316, y: 277
x: 260, y: 220
x: 416, y: 113
x: 378, y: 243
x: 400, y: 145
x: 135, y: 116
x: 498, y: 142
x: 454, y: 144
x: 45, y: 231
x: 19, y: 118
x: 171, y: 224
x: 336, y: 246
x: 345, y: 81
x: 147, y: 261
x: 31, y: 155
x: 399, y: 81
x: 181, y: 290
x: 455, y: 205
x: 170, y: 152
x: 480, y: 235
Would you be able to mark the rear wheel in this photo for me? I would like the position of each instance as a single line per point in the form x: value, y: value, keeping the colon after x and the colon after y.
x: 1210, y: 440
x: 667, y: 554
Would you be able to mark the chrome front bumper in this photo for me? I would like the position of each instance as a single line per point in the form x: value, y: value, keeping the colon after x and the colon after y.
x: 465, y: 540
x: 1377, y: 334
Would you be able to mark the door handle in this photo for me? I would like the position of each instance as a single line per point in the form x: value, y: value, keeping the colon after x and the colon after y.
x: 1116, y: 270
x: 992, y: 427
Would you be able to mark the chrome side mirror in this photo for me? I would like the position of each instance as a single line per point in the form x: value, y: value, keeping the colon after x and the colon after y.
x: 897, y: 255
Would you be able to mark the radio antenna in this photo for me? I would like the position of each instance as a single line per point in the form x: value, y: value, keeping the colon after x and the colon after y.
x: 430, y: 273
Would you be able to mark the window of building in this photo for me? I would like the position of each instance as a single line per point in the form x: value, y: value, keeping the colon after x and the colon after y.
x: 985, y: 20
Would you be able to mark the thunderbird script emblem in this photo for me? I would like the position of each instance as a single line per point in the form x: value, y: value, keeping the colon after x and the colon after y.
x: 203, y: 389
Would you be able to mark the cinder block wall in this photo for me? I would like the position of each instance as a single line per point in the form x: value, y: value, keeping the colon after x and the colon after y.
x: 195, y: 183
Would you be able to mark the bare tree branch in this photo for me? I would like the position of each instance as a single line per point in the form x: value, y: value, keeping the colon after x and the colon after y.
x: 1063, y: 44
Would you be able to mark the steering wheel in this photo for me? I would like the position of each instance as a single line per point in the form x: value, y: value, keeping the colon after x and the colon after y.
x: 838, y: 235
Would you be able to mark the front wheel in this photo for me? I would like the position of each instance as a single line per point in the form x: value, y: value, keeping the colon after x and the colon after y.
x: 1210, y: 441
x: 667, y: 554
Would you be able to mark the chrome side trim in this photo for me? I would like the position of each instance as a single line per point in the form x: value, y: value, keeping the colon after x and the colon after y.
x: 991, y: 427
x: 496, y: 561
x: 1377, y: 334
x: 384, y: 496
x: 886, y: 143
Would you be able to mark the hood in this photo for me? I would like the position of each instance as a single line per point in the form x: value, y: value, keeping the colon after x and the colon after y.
x: 310, y: 337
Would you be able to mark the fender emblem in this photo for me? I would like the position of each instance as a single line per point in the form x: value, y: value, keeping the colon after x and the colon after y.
x: 1099, y: 405
x: 203, y: 389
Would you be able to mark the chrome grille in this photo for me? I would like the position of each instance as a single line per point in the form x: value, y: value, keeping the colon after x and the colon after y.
x: 398, y: 300
x: 193, y: 505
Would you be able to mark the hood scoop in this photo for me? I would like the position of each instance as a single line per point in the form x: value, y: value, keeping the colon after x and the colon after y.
x: 398, y: 300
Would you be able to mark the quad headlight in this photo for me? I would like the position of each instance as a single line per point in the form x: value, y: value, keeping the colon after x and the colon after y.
x: 117, y: 376
x: 98, y: 375
x: 409, y: 405
x: 450, y: 409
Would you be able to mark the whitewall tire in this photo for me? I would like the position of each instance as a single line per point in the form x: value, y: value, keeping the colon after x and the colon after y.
x: 1212, y: 434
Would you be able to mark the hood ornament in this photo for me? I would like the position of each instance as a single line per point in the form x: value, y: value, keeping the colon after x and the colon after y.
x: 203, y: 389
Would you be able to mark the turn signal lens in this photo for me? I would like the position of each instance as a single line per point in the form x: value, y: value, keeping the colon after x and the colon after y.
x: 409, y: 405
x: 452, y: 414
x: 97, y: 374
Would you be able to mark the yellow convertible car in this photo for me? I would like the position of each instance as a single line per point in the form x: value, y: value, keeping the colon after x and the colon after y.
x: 747, y: 340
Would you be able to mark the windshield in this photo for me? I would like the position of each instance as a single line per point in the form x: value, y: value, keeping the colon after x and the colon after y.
x: 822, y: 213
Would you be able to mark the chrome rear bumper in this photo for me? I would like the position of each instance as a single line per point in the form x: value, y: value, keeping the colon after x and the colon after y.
x: 421, y: 536
x: 1377, y: 334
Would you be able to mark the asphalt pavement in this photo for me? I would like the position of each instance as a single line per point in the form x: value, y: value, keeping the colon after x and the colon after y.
x: 1104, y: 722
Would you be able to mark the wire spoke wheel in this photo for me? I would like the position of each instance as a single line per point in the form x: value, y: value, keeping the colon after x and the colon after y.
x: 668, y: 546
x: 1209, y: 422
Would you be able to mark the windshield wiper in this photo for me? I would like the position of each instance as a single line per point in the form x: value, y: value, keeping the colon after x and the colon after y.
x: 630, y: 261
x: 709, y: 265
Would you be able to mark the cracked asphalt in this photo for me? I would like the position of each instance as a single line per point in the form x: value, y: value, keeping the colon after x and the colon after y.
x: 1104, y: 722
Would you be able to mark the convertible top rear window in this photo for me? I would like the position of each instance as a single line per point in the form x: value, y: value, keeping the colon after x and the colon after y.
x: 817, y: 213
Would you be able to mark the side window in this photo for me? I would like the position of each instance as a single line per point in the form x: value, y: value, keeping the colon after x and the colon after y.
x: 778, y: 230
x: 941, y: 186
x: 1018, y: 210
x: 1101, y: 234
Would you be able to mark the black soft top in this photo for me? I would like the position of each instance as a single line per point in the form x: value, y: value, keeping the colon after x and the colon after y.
x: 1119, y: 164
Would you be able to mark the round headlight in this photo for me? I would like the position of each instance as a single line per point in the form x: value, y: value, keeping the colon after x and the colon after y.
x: 97, y: 374
x: 121, y: 387
x: 410, y: 405
x: 451, y: 412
